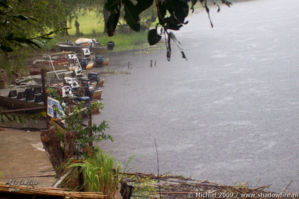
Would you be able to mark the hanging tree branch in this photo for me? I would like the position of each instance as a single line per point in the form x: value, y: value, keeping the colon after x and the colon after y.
x: 171, y: 15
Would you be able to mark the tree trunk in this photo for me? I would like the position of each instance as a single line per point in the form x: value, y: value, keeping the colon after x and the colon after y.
x: 69, y: 145
x: 64, y: 32
x: 52, y: 146
x: 77, y: 25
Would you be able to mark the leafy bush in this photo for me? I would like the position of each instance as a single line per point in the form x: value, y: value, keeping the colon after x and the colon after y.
x: 74, y: 119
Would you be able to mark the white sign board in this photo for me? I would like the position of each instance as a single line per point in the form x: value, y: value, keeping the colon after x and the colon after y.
x: 53, y: 104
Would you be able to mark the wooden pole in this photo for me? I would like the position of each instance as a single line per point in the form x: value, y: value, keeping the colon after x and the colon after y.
x: 44, y: 87
x: 90, y: 125
x: 44, y: 93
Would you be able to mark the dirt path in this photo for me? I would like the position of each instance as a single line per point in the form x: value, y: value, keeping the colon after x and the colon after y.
x: 22, y: 156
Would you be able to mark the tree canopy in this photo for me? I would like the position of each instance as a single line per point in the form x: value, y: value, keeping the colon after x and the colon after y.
x: 28, y: 22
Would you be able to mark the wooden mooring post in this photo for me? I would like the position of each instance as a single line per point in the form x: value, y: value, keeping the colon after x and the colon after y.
x: 90, y: 125
x: 44, y: 93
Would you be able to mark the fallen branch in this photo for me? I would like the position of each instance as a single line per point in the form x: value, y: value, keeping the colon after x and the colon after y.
x: 61, y: 179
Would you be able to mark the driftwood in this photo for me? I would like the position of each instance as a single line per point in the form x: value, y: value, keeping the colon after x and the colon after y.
x: 179, y: 187
x: 12, y: 191
x: 52, y: 146
x: 61, y: 179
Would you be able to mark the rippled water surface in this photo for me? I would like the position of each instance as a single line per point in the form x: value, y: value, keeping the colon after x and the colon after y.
x: 229, y: 114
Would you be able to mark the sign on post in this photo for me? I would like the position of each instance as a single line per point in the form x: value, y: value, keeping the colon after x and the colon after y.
x: 52, y: 107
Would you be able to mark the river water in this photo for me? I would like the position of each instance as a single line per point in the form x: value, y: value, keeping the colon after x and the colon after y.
x: 229, y: 114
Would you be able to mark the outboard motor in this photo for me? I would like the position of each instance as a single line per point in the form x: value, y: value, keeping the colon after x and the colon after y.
x: 66, y: 91
x: 38, y: 98
x: 83, y: 62
x: 110, y: 45
x: 12, y: 93
x: 94, y: 76
x: 99, y: 60
x: 21, y: 95
x: 37, y: 90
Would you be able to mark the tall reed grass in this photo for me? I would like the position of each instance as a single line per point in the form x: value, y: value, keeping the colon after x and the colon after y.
x: 101, y: 173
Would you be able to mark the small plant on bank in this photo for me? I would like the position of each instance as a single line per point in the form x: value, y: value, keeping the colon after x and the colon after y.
x: 101, y: 173
x: 74, y: 120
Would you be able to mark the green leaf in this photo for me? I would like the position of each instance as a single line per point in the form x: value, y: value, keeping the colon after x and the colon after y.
x: 112, y: 5
x: 8, y: 117
x: 13, y: 118
x: 9, y: 36
x: 112, y: 23
x: 22, y: 17
x: 161, y: 12
x: 20, y: 119
x: 4, y: 3
x: 143, y: 5
x: 178, y: 9
x: 44, y: 114
x: 228, y: 3
x: 2, y: 117
x: 6, y: 48
x: 172, y: 23
x: 131, y: 15
x: 193, y: 2
x: 153, y: 37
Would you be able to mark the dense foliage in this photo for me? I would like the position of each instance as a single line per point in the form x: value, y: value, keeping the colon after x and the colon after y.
x: 28, y: 23
x: 74, y: 121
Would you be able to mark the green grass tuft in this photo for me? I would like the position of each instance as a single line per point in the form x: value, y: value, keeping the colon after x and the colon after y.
x: 129, y: 41
x: 92, y: 26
